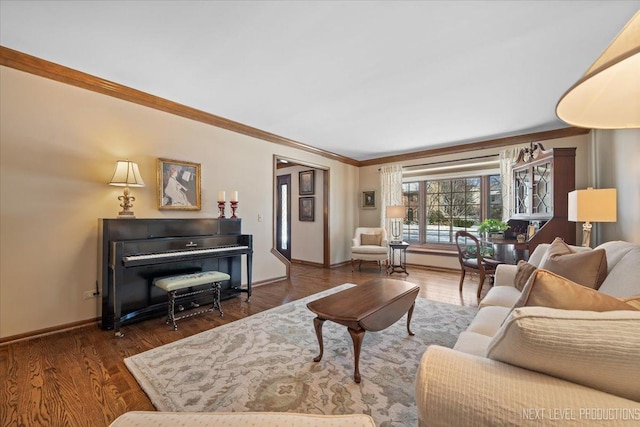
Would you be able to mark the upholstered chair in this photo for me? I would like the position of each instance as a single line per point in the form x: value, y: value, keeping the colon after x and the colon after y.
x: 369, y: 244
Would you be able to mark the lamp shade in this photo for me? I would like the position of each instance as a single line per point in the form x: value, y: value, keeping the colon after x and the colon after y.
x: 593, y: 205
x: 608, y: 95
x: 126, y: 174
x: 395, y: 211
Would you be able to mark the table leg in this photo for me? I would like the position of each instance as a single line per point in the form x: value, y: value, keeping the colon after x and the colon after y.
x: 317, y: 324
x: 409, y: 314
x: 357, y: 337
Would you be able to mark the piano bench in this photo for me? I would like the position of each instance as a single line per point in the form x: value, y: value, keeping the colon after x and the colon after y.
x: 172, y: 284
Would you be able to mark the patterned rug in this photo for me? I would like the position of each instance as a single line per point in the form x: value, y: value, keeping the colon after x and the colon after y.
x: 265, y: 363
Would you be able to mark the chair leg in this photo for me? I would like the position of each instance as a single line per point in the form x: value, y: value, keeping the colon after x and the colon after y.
x: 482, y: 275
x: 353, y: 264
x: 464, y: 272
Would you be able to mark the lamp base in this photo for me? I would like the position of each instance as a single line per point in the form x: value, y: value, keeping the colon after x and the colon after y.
x: 586, y: 234
x: 127, y: 203
x: 126, y: 215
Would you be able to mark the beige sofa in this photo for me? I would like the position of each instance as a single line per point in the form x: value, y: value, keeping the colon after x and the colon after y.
x: 537, y: 365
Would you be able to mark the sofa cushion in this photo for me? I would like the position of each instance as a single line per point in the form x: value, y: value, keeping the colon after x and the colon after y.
x: 370, y: 239
x: 473, y: 343
x: 523, y: 272
x: 488, y: 320
x: 588, y: 268
x: 598, y: 350
x: 547, y: 289
x: 502, y: 296
x: 623, y: 279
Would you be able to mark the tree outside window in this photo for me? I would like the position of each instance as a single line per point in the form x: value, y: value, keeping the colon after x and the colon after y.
x: 449, y: 205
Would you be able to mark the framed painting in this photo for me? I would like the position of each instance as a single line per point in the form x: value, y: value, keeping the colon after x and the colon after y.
x: 307, y: 183
x: 306, y: 208
x: 369, y: 199
x: 178, y: 185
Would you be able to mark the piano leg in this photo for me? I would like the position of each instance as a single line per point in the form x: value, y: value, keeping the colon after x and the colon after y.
x: 117, y: 305
x: 249, y: 265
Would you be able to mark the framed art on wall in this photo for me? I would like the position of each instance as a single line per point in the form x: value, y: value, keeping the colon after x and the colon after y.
x: 178, y: 185
x: 306, y: 208
x: 306, y: 181
x: 368, y: 199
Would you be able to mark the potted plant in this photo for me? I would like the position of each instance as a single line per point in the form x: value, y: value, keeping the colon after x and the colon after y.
x: 493, y: 228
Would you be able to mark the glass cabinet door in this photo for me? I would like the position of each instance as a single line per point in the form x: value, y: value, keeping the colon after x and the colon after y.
x: 542, y: 190
x: 522, y: 184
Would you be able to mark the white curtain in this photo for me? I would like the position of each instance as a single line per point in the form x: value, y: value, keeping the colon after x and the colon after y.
x: 391, y: 192
x: 507, y: 157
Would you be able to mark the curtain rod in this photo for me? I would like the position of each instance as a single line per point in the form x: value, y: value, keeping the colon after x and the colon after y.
x: 449, y: 161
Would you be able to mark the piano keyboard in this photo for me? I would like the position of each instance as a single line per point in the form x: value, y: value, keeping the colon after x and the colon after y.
x: 130, y: 258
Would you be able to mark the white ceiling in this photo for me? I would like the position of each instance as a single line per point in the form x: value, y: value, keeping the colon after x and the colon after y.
x: 357, y: 78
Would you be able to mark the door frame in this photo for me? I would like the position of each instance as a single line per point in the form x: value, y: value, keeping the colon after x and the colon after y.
x: 325, y: 207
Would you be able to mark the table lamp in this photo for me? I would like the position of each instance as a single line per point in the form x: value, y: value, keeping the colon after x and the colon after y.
x: 592, y: 205
x: 126, y: 175
x: 395, y: 213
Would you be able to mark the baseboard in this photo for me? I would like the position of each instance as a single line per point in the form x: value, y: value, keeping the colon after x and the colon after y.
x: 313, y: 264
x: 49, y: 331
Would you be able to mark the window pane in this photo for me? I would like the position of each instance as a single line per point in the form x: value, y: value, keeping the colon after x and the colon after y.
x: 456, y: 204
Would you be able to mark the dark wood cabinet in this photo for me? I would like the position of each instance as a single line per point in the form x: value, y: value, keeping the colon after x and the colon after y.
x: 542, y: 182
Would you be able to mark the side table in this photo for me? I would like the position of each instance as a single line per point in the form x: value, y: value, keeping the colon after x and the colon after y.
x: 398, y: 265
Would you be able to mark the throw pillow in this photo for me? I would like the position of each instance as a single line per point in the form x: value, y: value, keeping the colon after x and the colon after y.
x: 523, y: 272
x: 557, y: 247
x: 547, y: 289
x: 633, y: 301
x: 371, y: 239
x: 585, y: 268
x: 598, y: 350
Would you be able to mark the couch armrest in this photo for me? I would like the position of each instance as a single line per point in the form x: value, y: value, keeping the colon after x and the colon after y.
x: 505, y: 275
x: 455, y: 388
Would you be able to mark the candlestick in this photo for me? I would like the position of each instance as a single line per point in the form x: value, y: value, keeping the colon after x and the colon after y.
x: 234, y: 196
x: 234, y: 206
x: 222, y: 196
x: 221, y: 204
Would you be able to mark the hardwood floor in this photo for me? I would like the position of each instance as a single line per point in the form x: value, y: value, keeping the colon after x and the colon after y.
x: 78, y: 377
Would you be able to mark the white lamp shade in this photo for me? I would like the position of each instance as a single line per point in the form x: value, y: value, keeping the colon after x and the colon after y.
x: 608, y: 95
x: 126, y: 174
x: 395, y: 211
x: 593, y: 205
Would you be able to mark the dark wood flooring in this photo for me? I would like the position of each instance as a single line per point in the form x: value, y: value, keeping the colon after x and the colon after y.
x: 78, y: 377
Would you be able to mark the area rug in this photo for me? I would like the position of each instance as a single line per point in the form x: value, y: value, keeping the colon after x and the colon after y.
x: 265, y: 363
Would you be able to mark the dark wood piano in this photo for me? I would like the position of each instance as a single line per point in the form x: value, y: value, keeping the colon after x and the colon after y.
x: 133, y: 252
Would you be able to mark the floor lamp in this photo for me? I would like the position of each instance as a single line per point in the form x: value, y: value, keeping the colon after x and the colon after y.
x: 592, y: 205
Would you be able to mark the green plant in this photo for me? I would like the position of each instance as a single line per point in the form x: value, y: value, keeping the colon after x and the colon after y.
x: 492, y: 225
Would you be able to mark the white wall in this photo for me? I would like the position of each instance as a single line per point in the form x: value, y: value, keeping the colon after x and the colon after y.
x: 58, y: 148
x: 370, y: 179
x: 307, y: 242
x: 616, y: 164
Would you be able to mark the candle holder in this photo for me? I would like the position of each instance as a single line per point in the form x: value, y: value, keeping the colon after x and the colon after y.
x: 221, y: 208
x: 234, y: 206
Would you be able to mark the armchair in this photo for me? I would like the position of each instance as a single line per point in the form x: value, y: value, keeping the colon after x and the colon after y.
x: 369, y: 244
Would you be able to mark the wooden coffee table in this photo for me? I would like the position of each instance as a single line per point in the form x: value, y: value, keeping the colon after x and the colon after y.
x: 373, y: 306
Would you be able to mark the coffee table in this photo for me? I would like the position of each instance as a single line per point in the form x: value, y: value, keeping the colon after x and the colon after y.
x: 372, y: 306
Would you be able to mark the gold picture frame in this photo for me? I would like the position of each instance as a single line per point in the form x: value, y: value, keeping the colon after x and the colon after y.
x: 178, y: 185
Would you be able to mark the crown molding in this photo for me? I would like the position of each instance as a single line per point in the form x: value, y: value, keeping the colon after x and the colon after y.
x: 473, y: 146
x: 43, y: 68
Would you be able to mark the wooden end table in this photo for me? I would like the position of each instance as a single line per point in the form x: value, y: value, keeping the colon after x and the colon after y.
x: 372, y: 306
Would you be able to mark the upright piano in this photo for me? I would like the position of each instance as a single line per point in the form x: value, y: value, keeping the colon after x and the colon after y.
x: 133, y: 252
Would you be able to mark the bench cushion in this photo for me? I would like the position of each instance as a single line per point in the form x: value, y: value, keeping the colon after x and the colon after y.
x: 173, y: 283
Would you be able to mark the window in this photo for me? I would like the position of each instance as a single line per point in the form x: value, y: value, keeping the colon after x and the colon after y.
x: 436, y: 209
